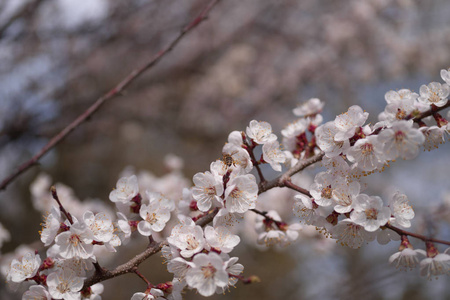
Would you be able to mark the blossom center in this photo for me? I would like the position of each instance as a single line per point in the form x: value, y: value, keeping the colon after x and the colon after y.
x: 399, y: 136
x: 211, y: 191
x: 327, y: 192
x: 151, y: 218
x: 74, y: 239
x: 434, y: 97
x: 371, y: 213
x: 366, y: 149
x: 236, y: 193
x: 63, y: 287
x: 192, y: 243
x: 400, y: 115
x: 208, y: 271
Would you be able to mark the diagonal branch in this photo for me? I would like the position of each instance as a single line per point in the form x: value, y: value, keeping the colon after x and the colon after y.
x: 417, y: 236
x: 286, y: 177
x: 133, y: 263
x: 108, y: 96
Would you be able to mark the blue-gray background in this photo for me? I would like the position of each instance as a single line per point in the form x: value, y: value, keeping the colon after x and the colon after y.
x: 252, y: 59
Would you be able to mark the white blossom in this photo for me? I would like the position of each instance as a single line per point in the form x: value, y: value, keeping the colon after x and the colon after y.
x: 239, y: 158
x: 434, y: 93
x: 311, y: 107
x: 241, y: 193
x: 260, y: 132
x: 406, y: 258
x: 434, y: 266
x: 304, y: 208
x: 367, y: 154
x: 94, y: 292
x: 155, y: 217
x: 208, y: 273
x: 123, y: 227
x: 434, y: 136
x: 235, y: 137
x: 178, y: 266
x: 402, y: 140
x: 36, y: 292
x: 401, y: 106
x: 344, y: 195
x: 445, y: 74
x: 153, y: 294
x: 100, y: 225
x: 207, y: 190
x: 24, y: 269
x: 232, y: 268
x: 369, y: 212
x: 64, y: 284
x: 76, y: 242
x: 273, y: 155
x: 220, y: 238
x: 347, y: 122
x: 188, y: 238
x: 350, y: 234
x: 163, y: 201
x: 322, y: 188
x: 398, y: 96
x: 225, y: 218
x: 51, y: 226
x: 126, y: 189
x: 325, y: 139
x: 401, y: 210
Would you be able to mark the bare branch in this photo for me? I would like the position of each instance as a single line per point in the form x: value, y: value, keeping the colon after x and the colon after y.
x: 110, y: 95
x: 417, y: 236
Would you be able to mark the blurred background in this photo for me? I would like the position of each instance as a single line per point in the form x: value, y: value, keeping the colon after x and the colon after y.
x: 252, y: 59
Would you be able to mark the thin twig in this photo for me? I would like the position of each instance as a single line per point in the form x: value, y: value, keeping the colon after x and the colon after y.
x: 109, y: 95
x: 139, y: 274
x: 61, y: 207
x: 295, y: 187
x: 417, y: 236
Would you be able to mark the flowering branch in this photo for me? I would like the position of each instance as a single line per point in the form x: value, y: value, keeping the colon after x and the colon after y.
x: 117, y: 90
x: 286, y: 177
x: 428, y: 113
x: 132, y: 264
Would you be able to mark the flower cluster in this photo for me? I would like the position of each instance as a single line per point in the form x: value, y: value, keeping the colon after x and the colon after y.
x: 197, y: 247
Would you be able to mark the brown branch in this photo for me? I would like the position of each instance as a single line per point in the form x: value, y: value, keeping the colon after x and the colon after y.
x: 428, y: 113
x: 109, y: 95
x: 61, y: 207
x: 417, y: 236
x: 286, y: 177
x: 295, y: 187
x: 250, y: 149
